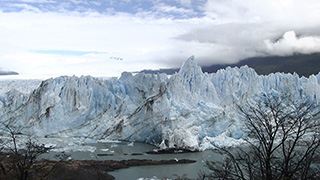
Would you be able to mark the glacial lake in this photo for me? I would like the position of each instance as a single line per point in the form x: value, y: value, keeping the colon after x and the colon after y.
x: 132, y: 150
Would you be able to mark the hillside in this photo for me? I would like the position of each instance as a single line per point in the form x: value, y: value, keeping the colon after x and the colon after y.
x: 6, y: 73
x: 304, y: 65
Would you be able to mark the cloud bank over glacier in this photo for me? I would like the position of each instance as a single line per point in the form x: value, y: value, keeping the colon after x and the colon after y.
x: 149, y: 34
x: 290, y: 44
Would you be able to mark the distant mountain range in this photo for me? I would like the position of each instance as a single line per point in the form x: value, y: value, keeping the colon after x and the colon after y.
x: 302, y: 64
x: 5, y: 73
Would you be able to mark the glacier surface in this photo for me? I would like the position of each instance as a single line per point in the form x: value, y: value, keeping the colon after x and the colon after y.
x: 190, y: 109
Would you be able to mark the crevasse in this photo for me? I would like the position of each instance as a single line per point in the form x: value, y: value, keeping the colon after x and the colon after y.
x: 191, y: 109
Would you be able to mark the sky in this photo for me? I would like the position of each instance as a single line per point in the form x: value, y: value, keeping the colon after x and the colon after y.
x: 103, y: 38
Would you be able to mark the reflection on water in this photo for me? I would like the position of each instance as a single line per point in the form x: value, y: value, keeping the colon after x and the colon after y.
x: 127, y: 150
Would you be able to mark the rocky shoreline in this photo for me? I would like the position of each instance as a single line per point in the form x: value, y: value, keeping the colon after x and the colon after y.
x: 99, y: 169
x: 80, y: 169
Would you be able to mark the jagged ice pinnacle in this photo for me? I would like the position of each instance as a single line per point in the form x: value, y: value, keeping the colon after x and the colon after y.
x: 191, y: 109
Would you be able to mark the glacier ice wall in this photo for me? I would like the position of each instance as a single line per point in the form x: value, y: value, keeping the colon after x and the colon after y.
x: 191, y: 109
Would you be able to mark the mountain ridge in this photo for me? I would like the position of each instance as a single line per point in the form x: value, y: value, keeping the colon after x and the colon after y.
x: 7, y: 73
x: 302, y: 64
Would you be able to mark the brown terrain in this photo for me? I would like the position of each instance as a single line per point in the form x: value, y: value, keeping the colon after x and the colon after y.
x: 80, y: 170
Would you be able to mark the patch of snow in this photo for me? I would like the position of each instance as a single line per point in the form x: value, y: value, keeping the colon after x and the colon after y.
x: 75, y: 148
x: 220, y: 141
x: 90, y: 141
x: 23, y: 86
x: 108, y: 141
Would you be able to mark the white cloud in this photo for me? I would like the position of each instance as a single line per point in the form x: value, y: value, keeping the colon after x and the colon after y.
x: 242, y: 28
x: 186, y: 3
x: 172, y: 9
x: 290, y: 44
x: 31, y: 1
x: 26, y: 7
x: 230, y: 30
x: 298, y: 11
x: 137, y: 41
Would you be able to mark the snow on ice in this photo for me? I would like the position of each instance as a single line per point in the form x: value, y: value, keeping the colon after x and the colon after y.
x: 191, y: 109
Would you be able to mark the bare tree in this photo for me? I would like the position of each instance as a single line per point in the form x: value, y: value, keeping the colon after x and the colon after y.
x: 283, y: 141
x: 21, y: 161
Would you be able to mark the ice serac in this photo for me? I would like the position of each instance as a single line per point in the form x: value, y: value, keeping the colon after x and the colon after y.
x: 191, y: 109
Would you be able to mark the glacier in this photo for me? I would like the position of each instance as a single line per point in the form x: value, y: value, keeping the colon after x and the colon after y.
x: 190, y: 109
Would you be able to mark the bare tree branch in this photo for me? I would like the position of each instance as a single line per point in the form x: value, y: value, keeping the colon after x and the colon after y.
x: 287, y: 141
